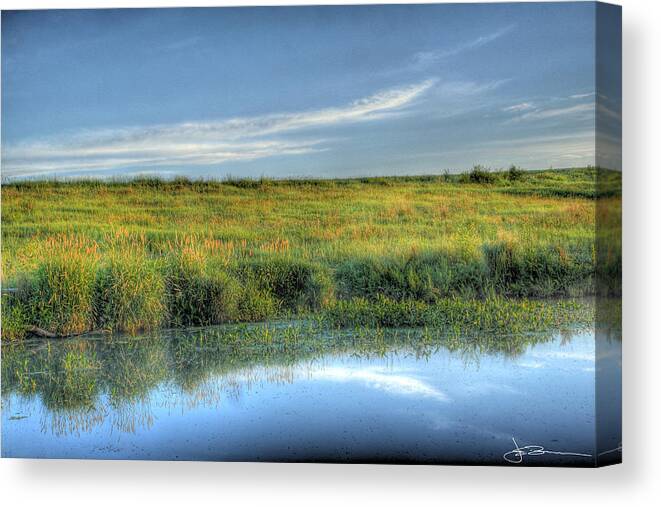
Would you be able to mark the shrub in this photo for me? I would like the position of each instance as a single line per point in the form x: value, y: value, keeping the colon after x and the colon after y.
x: 514, y: 173
x: 481, y: 175
x: 129, y: 295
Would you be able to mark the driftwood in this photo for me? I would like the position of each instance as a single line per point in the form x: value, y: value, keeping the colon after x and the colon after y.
x: 44, y: 333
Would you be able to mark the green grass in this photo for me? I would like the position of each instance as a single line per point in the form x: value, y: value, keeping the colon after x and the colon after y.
x: 129, y: 294
x: 494, y: 314
x: 149, y: 253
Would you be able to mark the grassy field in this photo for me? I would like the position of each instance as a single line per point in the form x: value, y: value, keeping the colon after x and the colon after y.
x: 149, y: 253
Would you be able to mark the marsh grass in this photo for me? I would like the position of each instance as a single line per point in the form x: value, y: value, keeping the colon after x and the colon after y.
x: 297, y: 285
x: 60, y: 297
x: 136, y: 255
x: 425, y: 276
x: 197, y: 295
x: 546, y: 271
x: 16, y: 318
x: 493, y: 314
x: 129, y: 295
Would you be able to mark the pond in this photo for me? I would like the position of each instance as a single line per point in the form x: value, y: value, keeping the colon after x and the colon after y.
x: 287, y: 393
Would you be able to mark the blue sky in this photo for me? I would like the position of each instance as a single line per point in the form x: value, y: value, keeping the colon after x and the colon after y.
x: 292, y: 92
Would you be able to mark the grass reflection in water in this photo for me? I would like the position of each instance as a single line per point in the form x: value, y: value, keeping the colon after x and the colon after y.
x: 83, y: 382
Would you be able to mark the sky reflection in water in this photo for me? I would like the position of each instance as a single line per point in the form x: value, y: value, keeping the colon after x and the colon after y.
x: 160, y: 398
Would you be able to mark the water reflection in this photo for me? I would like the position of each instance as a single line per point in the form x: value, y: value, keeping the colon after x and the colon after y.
x: 295, y: 392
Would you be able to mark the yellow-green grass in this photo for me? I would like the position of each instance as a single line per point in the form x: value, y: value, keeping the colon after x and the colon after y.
x: 153, y: 253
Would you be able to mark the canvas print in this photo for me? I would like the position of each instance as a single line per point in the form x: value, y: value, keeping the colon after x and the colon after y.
x: 348, y: 234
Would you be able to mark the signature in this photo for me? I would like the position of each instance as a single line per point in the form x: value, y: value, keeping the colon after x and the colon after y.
x: 516, y: 455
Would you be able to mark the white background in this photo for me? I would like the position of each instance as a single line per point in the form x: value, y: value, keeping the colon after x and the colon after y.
x: 636, y: 482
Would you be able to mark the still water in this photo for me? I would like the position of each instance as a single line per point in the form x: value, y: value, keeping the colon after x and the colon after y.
x: 404, y: 396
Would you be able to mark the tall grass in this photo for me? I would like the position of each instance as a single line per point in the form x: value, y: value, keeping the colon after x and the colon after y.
x: 505, y: 268
x: 547, y: 271
x: 16, y: 318
x: 131, y: 292
x: 129, y: 295
x: 60, y: 293
x: 198, y: 295
x: 424, y: 276
x: 297, y: 285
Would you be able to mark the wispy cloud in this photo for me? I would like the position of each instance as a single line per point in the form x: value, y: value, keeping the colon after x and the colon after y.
x: 517, y: 108
x: 573, y: 149
x: 456, y: 89
x: 540, y: 114
x: 424, y: 59
x: 565, y: 150
x: 199, y: 143
x: 582, y: 95
x: 578, y: 106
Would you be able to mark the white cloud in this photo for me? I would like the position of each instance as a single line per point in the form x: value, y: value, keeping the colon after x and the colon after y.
x: 390, y: 382
x: 197, y: 143
x: 533, y: 365
x: 571, y: 150
x: 582, y: 95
